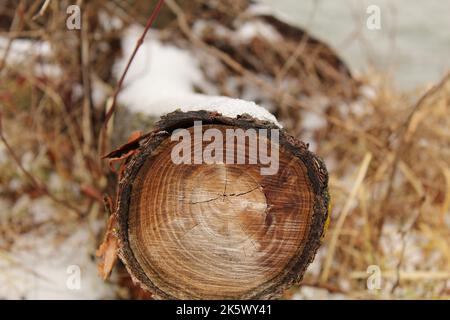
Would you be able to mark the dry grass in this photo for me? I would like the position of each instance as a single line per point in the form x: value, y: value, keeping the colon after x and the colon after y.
x: 388, y: 155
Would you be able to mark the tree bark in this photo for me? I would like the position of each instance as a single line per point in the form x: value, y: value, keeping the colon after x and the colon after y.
x: 217, y: 231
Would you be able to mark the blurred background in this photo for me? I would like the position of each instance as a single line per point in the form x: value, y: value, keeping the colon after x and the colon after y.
x: 412, y: 44
x: 365, y: 83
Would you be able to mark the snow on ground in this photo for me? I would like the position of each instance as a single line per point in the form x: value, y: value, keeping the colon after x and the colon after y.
x: 21, y: 48
x: 63, y: 271
x: 47, y: 262
x: 45, y: 252
x: 159, y: 72
x: 163, y: 78
x: 24, y: 51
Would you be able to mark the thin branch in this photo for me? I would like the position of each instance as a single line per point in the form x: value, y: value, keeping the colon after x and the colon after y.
x: 140, y: 41
x: 403, y: 142
x: 16, y: 25
x: 130, y: 60
x: 42, y: 10
x: 36, y: 183
x: 345, y: 211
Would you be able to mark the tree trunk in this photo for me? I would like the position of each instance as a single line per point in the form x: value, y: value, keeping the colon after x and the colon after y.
x: 221, y: 230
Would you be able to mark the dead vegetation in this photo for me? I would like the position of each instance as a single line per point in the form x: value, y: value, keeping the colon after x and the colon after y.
x: 387, y: 152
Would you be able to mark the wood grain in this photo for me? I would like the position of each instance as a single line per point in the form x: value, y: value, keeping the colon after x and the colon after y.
x: 219, y: 231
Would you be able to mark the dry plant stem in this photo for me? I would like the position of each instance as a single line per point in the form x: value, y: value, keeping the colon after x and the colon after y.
x: 57, y: 99
x: 292, y: 59
x: 86, y: 120
x: 406, y: 275
x: 345, y: 211
x: 404, y: 232
x: 37, y: 184
x: 106, y: 132
x: 223, y: 230
x: 42, y: 10
x: 112, y: 108
x: 7, y: 256
x: 404, y: 142
x: 16, y: 24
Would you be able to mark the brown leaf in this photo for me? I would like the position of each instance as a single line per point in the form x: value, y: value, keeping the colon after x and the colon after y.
x: 108, y: 250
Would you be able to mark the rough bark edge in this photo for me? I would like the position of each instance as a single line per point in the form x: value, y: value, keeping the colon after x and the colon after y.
x: 316, y: 171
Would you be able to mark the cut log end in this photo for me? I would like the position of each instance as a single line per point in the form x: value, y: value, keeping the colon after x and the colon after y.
x: 221, y: 230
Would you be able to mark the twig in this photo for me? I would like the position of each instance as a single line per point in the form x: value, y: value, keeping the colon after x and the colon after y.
x: 292, y: 59
x: 37, y: 184
x: 15, y: 24
x: 140, y: 41
x: 42, y: 10
x: 410, y: 275
x: 403, y: 234
x: 403, y: 142
x: 345, y: 211
x: 130, y: 60
x: 86, y: 118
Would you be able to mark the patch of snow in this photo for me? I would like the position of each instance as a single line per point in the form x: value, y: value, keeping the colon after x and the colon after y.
x: 99, y: 94
x: 226, y: 106
x: 251, y: 29
x: 77, y: 91
x: 22, y: 51
x: 312, y: 121
x: 21, y: 48
x: 27, y: 160
x: 163, y: 78
x: 315, y: 267
x: 312, y: 293
x: 109, y: 23
x: 45, y: 254
x: 42, y: 267
x: 158, y: 71
x: 41, y: 209
x: 358, y: 107
x: 245, y: 31
x: 369, y: 92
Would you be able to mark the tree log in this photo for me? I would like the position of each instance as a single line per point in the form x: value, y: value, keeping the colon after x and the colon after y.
x: 218, y: 231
